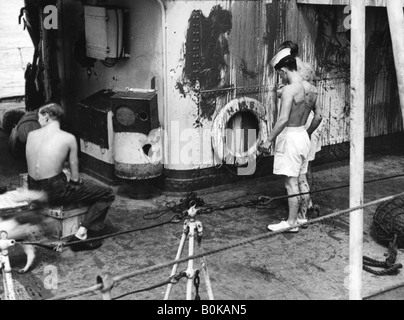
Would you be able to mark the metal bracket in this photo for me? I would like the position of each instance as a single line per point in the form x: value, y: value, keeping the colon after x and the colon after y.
x: 107, y: 284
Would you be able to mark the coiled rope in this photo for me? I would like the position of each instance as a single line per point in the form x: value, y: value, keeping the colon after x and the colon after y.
x: 250, y: 240
x: 389, y: 264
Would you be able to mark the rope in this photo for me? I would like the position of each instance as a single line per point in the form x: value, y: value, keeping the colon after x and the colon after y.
x: 387, y: 272
x: 22, y: 60
x: 263, y: 200
x: 179, y: 209
x: 11, y: 48
x: 334, y: 188
x: 184, y: 205
x: 173, y: 279
x: 58, y: 246
x: 197, y: 282
x: 389, y: 264
x: 224, y: 248
x: 40, y: 244
x: 392, y: 288
x: 190, y: 200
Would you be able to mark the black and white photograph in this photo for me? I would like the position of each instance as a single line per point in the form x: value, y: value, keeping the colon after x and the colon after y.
x: 202, y: 154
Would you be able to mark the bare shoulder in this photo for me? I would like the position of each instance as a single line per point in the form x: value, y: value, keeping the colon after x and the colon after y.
x: 34, y: 133
x: 307, y: 72
x: 67, y: 137
x: 292, y: 89
x: 309, y: 87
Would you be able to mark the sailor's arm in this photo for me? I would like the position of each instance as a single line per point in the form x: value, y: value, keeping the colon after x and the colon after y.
x: 286, y: 107
x: 73, y: 160
x: 316, y: 119
x: 281, y: 123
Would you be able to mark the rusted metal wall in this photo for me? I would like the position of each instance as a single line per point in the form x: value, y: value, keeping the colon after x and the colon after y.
x: 225, y: 55
x: 219, y: 50
x: 239, y: 38
x: 324, y: 38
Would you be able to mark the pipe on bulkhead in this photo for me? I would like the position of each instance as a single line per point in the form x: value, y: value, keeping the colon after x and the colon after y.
x: 165, y: 74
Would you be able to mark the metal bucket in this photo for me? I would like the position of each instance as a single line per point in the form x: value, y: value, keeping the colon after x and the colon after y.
x: 138, y: 156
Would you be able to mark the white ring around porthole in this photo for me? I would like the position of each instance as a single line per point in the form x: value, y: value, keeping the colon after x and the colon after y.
x: 222, y: 117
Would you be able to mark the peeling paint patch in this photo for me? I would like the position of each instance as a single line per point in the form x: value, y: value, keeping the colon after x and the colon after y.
x: 332, y: 46
x: 180, y: 87
x: 381, y: 84
x: 244, y: 70
x: 205, y: 56
x: 207, y: 46
x: 275, y: 16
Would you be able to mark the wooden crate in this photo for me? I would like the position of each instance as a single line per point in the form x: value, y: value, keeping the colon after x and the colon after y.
x: 65, y: 220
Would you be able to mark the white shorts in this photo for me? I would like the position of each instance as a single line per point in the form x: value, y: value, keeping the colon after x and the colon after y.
x: 315, y: 137
x: 315, y: 143
x: 291, y: 152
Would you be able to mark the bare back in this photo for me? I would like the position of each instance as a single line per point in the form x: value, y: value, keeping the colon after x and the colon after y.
x: 46, y: 151
x: 304, y: 97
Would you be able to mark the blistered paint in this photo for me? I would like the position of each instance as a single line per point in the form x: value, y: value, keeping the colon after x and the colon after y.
x: 332, y: 61
x: 332, y: 45
x: 209, y: 35
x: 237, y: 41
x: 205, y: 56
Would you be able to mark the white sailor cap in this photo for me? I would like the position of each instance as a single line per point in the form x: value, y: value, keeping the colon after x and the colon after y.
x: 279, y: 56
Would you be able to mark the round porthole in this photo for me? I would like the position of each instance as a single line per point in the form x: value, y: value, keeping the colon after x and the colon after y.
x: 238, y: 128
x: 125, y: 116
x: 242, y: 131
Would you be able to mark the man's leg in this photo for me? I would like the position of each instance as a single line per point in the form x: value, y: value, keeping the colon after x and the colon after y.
x: 305, y: 199
x: 310, y: 180
x: 292, y: 187
x: 101, y: 198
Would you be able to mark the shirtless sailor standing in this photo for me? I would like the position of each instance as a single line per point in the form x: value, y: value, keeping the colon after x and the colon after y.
x: 291, y: 139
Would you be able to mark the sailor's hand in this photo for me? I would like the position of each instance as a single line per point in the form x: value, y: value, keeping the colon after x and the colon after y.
x: 279, y: 90
x: 264, y: 147
x: 76, y: 184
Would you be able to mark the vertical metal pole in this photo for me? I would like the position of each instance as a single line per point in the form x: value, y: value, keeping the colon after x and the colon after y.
x: 106, y: 295
x: 205, y: 271
x: 396, y: 22
x: 166, y: 126
x: 357, y: 158
x: 8, y: 284
x: 207, y: 279
x: 174, y: 270
x: 45, y: 55
x: 190, y: 270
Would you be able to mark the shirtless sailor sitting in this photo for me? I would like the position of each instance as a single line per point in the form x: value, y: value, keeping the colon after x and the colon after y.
x: 47, y: 149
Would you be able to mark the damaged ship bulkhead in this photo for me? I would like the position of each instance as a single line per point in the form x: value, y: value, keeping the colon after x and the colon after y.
x: 182, y: 91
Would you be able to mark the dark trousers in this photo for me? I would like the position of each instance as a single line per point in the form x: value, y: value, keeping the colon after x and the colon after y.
x: 60, y: 192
